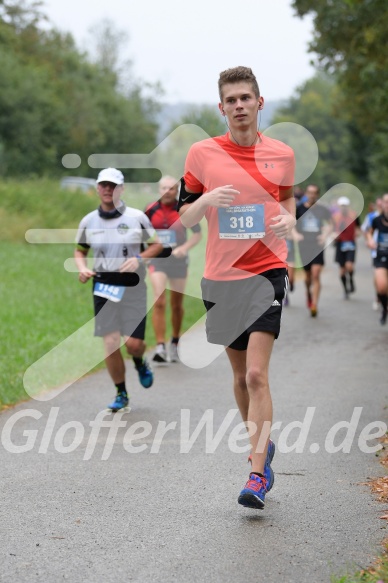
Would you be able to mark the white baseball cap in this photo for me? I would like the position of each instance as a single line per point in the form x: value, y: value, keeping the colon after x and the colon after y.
x: 111, y: 175
x: 343, y: 201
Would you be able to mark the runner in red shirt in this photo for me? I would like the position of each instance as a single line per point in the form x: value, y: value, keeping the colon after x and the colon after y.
x: 347, y: 224
x: 237, y: 181
x: 165, y: 219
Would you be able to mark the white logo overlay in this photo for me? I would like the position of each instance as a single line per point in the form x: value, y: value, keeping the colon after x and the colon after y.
x: 98, y: 437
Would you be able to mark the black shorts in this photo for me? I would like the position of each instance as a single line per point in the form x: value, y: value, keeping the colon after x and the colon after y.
x: 319, y: 259
x: 127, y: 316
x: 343, y: 257
x: 381, y: 261
x: 237, y: 308
x: 174, y: 268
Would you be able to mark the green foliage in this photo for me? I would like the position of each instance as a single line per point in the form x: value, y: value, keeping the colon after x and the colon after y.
x: 350, y: 41
x: 54, y: 100
x: 206, y: 117
x: 39, y: 204
x: 314, y: 107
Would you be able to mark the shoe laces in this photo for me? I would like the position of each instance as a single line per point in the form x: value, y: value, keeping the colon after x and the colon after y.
x: 256, y: 482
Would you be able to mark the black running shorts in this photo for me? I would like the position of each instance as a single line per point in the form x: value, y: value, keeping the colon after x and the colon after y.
x: 127, y: 316
x: 380, y: 261
x: 319, y: 259
x: 237, y: 308
x: 343, y: 257
x: 174, y: 268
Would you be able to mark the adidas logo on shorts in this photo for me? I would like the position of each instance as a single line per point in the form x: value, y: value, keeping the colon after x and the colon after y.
x: 275, y: 303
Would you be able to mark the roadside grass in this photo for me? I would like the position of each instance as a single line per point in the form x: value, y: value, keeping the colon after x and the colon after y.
x: 41, y: 302
x: 378, y: 572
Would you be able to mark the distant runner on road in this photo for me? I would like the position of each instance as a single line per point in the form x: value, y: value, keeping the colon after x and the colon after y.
x: 237, y: 181
x: 165, y: 218
x: 347, y: 225
x: 313, y: 228
x: 375, y: 211
x: 115, y: 233
x: 380, y: 245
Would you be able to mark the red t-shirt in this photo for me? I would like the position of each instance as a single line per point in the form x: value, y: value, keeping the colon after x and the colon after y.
x: 347, y: 225
x: 259, y: 173
x: 166, y: 216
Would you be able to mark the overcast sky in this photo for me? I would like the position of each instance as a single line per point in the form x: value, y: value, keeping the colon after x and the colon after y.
x: 185, y: 45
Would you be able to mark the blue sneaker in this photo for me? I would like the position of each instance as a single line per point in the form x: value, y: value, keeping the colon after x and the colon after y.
x: 146, y: 376
x: 268, y: 471
x: 120, y: 402
x: 253, y: 493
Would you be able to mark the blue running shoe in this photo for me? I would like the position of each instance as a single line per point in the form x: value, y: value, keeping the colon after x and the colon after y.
x: 146, y: 376
x: 253, y: 493
x: 268, y: 471
x: 120, y: 402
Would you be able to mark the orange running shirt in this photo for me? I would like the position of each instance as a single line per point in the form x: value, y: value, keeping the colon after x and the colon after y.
x: 240, y: 243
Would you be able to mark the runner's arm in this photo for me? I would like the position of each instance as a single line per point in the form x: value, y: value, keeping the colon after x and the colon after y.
x: 221, y: 197
x: 285, y: 221
x: 327, y: 230
x: 182, y: 250
x: 370, y: 241
x: 80, y: 255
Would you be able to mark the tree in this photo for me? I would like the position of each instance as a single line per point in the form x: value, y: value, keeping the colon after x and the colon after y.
x: 54, y: 100
x: 350, y: 42
x: 206, y: 117
x: 314, y: 107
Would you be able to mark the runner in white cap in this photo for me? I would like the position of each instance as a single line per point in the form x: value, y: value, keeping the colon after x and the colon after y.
x: 117, y: 234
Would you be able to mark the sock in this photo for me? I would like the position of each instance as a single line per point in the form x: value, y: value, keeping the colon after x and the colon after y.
x: 138, y: 361
x: 258, y: 474
x: 343, y: 279
x: 175, y: 340
x: 383, y: 299
x: 121, y: 388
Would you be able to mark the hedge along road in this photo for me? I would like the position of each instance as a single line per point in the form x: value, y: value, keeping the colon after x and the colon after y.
x: 127, y: 504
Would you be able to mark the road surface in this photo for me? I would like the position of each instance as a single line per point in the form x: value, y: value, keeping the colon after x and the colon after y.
x: 169, y: 516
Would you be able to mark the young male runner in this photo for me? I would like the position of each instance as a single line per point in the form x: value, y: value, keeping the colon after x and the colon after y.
x: 312, y: 232
x: 165, y: 218
x: 347, y: 224
x: 116, y: 233
x: 237, y: 181
x: 380, y: 245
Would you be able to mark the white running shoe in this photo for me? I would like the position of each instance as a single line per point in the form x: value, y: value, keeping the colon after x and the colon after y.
x: 160, y: 354
x: 174, y: 352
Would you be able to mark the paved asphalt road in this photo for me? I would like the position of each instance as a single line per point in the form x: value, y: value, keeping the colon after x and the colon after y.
x: 171, y: 516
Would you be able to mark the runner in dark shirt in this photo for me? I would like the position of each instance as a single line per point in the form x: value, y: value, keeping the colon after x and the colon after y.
x: 380, y: 244
x: 347, y: 226
x: 314, y: 224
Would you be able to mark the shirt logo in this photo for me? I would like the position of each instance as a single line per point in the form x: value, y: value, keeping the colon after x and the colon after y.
x: 122, y: 229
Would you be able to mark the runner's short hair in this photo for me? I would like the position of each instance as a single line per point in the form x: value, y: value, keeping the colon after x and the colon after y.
x: 314, y: 186
x: 235, y: 75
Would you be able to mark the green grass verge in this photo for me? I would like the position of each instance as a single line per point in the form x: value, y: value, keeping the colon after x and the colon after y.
x: 377, y: 575
x: 42, y: 303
